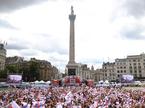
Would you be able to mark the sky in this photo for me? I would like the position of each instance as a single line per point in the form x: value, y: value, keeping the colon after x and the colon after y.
x: 104, y: 29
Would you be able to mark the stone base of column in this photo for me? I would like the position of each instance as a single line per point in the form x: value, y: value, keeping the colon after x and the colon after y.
x: 72, y: 69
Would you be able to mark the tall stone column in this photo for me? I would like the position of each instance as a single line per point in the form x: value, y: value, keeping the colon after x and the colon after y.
x: 72, y: 37
x: 72, y: 65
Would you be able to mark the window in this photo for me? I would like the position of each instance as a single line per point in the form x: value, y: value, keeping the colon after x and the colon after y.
x: 134, y: 60
x: 135, y: 75
x: 118, y: 71
x: 124, y: 71
x: 140, y: 75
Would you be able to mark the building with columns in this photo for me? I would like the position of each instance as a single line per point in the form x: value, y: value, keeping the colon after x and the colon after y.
x: 2, y: 56
x: 131, y: 65
x: 121, y: 67
x: 98, y: 75
x: 84, y: 71
x: 108, y: 70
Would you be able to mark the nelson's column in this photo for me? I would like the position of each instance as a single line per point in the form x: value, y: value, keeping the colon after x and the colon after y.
x: 72, y: 65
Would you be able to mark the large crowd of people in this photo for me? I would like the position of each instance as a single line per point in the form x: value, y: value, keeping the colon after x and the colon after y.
x: 72, y: 97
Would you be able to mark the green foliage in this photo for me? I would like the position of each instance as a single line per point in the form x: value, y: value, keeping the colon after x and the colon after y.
x: 30, y: 70
x: 11, y: 68
x: 3, y: 73
x: 34, y: 70
x: 26, y: 74
x: 31, y: 73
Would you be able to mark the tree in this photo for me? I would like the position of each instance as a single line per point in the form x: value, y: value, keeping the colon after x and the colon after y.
x: 26, y: 75
x: 34, y: 70
x: 3, y: 74
x: 12, y: 68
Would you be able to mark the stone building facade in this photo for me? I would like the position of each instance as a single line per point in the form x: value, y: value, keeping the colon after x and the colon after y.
x: 121, y: 67
x: 44, y: 68
x: 98, y: 75
x: 113, y: 71
x: 83, y: 71
x: 14, y: 60
x: 2, y: 56
x: 108, y: 70
x: 131, y: 65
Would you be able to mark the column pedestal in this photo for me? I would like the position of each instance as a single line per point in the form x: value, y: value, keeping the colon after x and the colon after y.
x: 72, y: 69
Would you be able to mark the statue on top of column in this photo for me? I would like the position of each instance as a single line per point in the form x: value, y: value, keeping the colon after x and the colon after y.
x: 72, y: 11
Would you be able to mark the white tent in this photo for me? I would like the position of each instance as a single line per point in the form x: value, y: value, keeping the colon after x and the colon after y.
x: 41, y: 81
x: 48, y: 82
x: 36, y: 82
x: 101, y: 82
x: 137, y: 83
x: 106, y: 82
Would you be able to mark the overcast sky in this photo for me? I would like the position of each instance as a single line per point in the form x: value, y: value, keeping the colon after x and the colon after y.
x: 104, y: 29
